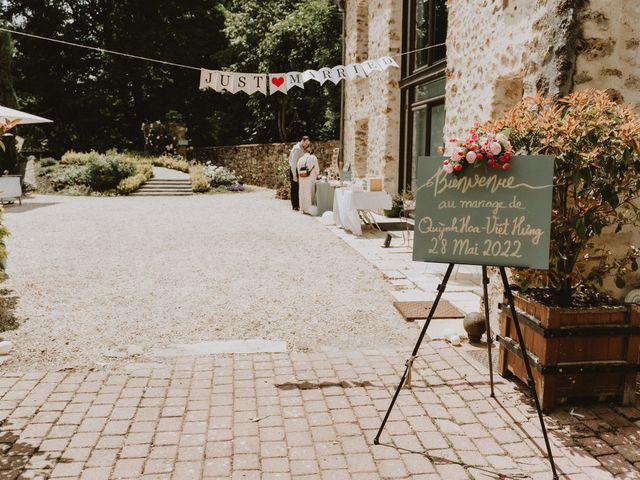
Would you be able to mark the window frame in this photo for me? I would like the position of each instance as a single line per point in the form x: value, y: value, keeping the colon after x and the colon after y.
x: 411, y: 78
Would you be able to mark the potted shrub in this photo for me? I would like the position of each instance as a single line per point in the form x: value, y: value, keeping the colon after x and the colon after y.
x: 582, y: 340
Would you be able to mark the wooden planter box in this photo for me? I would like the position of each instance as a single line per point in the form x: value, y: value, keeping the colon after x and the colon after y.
x: 573, y: 353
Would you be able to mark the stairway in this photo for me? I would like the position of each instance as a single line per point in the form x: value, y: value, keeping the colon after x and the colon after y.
x: 165, y: 187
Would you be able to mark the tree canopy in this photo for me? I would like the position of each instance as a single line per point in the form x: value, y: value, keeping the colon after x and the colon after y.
x: 99, y: 101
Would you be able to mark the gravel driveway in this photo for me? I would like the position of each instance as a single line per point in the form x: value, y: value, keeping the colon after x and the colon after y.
x: 95, y: 274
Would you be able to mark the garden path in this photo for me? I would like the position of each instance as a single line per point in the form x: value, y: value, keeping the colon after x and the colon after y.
x: 96, y: 274
x: 161, y: 173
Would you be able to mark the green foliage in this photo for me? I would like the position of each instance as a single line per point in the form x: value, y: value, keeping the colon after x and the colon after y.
x: 79, y: 158
x: 48, y: 162
x: 4, y: 233
x: 7, y: 93
x: 174, y: 163
x: 106, y: 172
x: 143, y: 172
x: 159, y: 138
x: 596, y: 143
x: 199, y: 181
x: 63, y: 177
x: 219, y: 176
x: 131, y: 184
x: 99, y: 100
x: 281, y: 36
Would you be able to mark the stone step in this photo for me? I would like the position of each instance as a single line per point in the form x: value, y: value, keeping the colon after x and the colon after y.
x: 164, y: 185
x: 151, y: 182
x: 166, y: 190
x: 161, y: 194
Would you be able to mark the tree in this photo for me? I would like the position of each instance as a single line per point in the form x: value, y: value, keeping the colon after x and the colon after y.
x: 8, y: 153
x: 99, y: 101
x: 287, y: 35
x: 7, y: 93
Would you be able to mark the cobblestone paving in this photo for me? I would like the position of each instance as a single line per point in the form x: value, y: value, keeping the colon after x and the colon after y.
x: 306, y: 416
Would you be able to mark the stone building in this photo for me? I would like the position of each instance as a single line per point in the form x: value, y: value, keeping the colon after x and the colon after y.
x: 494, y: 53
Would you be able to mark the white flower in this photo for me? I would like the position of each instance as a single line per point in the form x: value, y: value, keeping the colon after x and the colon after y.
x: 471, y: 156
x: 502, y: 138
x: 447, y: 167
x: 495, y: 148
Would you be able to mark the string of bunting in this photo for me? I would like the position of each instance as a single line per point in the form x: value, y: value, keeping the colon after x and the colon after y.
x: 250, y: 83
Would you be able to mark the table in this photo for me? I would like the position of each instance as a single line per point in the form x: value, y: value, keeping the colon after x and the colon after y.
x: 324, y: 197
x: 349, y: 205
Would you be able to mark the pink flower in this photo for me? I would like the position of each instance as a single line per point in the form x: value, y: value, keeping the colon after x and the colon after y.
x: 447, y: 167
x: 495, y: 148
x: 471, y: 156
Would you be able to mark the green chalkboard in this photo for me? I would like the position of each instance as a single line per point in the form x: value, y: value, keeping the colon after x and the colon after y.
x: 484, y: 216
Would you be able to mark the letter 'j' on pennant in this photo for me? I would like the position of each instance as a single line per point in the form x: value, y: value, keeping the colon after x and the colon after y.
x: 208, y: 79
x: 277, y: 83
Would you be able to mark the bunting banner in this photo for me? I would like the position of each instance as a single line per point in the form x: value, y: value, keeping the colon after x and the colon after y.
x: 272, y: 83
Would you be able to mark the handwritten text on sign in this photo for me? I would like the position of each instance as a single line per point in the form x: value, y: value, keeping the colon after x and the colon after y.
x: 484, y: 217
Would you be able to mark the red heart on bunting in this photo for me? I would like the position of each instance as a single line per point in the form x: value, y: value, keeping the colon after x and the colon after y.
x: 277, y: 81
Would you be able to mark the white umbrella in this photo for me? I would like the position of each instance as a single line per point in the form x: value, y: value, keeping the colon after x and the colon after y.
x: 9, y: 114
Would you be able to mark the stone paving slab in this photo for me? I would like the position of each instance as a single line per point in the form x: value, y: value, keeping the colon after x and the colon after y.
x: 306, y: 416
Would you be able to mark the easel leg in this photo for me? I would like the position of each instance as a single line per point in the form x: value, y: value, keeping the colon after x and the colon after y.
x: 485, y: 284
x: 409, y: 363
x: 525, y: 358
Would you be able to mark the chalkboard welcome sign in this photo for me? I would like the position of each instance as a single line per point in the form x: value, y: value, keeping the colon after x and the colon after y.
x: 484, y: 216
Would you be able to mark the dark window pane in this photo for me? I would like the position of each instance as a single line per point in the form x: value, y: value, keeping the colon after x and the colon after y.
x: 428, y: 90
x: 421, y: 32
x: 419, y: 121
x: 436, y: 136
x: 440, y: 30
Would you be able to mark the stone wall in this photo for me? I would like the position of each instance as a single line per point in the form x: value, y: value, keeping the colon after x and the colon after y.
x: 258, y: 164
x: 608, y: 57
x: 372, y: 105
x: 608, y: 49
x: 528, y: 50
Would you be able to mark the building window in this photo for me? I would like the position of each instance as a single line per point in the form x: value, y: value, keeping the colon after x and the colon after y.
x: 422, y: 84
x: 428, y: 28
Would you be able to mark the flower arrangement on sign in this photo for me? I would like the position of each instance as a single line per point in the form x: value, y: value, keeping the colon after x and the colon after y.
x: 479, y: 148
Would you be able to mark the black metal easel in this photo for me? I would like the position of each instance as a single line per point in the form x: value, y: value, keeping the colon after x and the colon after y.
x: 406, y: 377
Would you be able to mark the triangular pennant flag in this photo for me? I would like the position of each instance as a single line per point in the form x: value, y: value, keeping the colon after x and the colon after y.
x: 310, y: 75
x: 257, y: 83
x: 277, y: 83
x: 294, y: 79
x: 241, y: 81
x: 354, y: 71
x: 208, y: 78
x: 371, y: 66
x: 386, y: 62
x: 339, y: 73
x: 325, y: 74
x: 227, y: 81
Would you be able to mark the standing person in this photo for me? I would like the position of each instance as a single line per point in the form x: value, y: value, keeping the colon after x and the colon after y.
x: 307, y: 174
x: 296, y: 152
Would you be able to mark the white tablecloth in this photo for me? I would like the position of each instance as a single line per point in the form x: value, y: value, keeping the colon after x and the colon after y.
x: 346, y: 204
